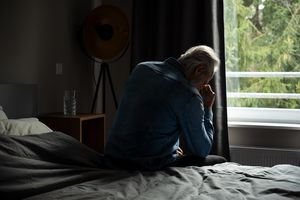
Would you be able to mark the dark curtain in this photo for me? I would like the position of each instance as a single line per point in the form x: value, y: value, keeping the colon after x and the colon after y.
x: 166, y: 28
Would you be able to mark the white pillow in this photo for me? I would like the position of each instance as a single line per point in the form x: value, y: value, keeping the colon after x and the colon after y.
x: 2, y: 113
x: 24, y: 126
x: 29, y: 119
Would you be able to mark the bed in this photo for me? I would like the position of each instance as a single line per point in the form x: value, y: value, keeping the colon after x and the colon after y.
x: 39, y: 163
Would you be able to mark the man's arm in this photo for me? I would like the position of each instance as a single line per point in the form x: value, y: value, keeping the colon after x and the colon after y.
x: 197, y: 125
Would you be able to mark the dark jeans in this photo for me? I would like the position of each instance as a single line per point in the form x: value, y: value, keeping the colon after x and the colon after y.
x: 191, y: 160
x: 187, y: 160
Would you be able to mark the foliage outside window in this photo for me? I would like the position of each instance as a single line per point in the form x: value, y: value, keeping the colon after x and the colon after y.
x: 263, y: 37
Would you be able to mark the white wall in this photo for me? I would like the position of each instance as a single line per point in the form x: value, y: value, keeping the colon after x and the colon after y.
x: 34, y: 36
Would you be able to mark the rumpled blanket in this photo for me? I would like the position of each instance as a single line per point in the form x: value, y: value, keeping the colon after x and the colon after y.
x: 56, y: 166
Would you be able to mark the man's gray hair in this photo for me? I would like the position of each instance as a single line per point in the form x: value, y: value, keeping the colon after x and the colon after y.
x: 200, y: 54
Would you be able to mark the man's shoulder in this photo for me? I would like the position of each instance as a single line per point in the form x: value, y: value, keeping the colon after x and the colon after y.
x: 154, y: 65
x: 150, y: 62
x: 147, y: 65
x: 170, y: 64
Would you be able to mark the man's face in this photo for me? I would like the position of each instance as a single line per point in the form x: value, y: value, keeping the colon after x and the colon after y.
x: 201, y: 76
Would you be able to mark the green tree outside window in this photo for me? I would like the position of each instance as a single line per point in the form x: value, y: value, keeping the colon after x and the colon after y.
x: 262, y: 36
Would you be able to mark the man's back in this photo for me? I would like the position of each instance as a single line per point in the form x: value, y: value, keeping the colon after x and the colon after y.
x: 148, y: 123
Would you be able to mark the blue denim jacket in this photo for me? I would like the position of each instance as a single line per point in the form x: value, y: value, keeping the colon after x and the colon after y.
x: 158, y: 105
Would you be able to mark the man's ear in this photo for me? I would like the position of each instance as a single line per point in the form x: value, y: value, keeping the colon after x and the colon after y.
x: 200, y: 69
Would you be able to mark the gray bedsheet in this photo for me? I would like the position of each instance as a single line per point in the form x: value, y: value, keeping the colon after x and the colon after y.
x: 55, y: 166
x: 224, y: 181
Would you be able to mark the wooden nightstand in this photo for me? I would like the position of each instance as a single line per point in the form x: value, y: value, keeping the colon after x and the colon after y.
x: 89, y: 129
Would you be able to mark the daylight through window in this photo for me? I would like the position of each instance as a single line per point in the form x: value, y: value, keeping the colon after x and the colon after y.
x: 262, y: 50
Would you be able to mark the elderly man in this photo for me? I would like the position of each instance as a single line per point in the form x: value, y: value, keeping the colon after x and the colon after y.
x: 163, y: 102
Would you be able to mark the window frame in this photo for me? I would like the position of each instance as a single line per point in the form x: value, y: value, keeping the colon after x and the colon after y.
x: 252, y: 115
x: 263, y: 115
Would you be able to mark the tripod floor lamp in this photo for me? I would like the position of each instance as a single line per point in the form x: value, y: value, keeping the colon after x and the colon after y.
x: 105, y: 40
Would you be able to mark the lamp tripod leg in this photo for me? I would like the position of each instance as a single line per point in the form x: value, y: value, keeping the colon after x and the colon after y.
x: 103, y: 65
x: 97, y: 90
x: 102, y: 75
x: 112, y: 87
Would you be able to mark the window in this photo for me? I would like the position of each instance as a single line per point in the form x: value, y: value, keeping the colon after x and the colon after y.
x: 262, y: 50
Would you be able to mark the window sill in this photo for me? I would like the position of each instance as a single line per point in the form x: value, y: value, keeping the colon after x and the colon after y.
x: 267, y: 117
x: 263, y: 125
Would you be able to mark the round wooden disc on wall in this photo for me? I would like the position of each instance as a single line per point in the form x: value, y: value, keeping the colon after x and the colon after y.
x: 105, y: 32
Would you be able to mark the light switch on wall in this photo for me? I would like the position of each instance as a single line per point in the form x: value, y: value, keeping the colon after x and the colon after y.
x: 59, y: 69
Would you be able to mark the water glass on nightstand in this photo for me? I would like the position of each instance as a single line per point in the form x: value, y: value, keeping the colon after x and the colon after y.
x: 70, y: 102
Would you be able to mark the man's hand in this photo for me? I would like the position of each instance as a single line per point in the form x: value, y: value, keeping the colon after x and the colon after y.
x: 208, y: 95
x: 179, y: 152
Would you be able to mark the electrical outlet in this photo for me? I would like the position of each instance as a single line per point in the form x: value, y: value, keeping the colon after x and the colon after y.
x: 59, y: 69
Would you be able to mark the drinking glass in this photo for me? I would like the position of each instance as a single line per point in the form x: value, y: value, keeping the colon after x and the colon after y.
x: 70, y: 102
